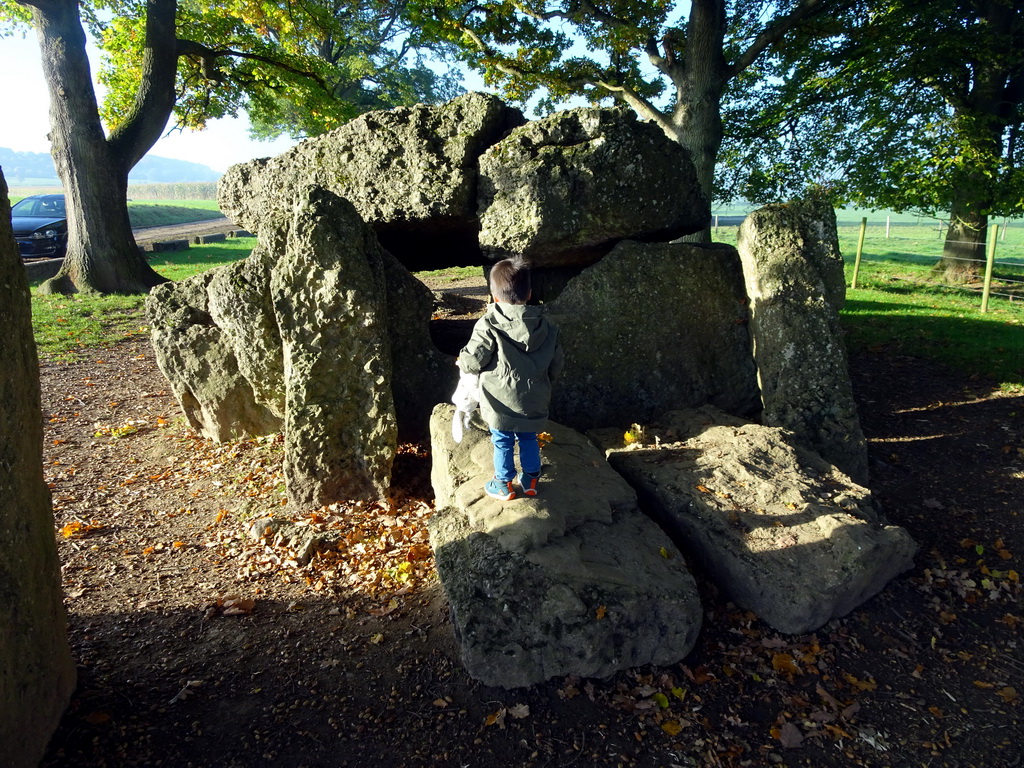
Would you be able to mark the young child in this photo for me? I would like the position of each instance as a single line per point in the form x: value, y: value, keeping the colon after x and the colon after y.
x: 516, y: 352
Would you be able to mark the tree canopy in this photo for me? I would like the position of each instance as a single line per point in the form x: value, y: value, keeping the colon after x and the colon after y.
x: 674, y: 63
x: 198, y: 60
x: 900, y: 104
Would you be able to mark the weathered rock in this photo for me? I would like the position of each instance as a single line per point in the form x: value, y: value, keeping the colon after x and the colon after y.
x: 240, y: 305
x: 653, y: 327
x: 783, y: 532
x: 329, y: 298
x: 410, y: 172
x: 563, y: 190
x: 37, y: 673
x: 200, y: 364
x: 571, y: 581
x: 422, y: 376
x: 793, y: 273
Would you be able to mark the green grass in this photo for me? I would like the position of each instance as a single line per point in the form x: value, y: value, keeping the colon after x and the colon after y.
x: 177, y: 265
x: 152, y: 213
x: 899, y: 305
x: 451, y: 274
x: 72, y: 327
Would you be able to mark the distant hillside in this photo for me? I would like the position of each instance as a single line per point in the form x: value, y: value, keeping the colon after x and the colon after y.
x: 37, y: 168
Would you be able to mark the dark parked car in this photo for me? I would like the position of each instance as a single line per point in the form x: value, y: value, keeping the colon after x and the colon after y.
x: 40, y: 226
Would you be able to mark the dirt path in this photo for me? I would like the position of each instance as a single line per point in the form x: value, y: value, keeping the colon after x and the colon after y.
x: 183, y: 231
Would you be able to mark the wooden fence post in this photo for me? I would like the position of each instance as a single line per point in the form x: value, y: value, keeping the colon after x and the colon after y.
x: 990, y: 260
x: 860, y: 250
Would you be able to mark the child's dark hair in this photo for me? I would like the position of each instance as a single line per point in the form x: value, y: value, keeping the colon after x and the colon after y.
x: 510, y: 281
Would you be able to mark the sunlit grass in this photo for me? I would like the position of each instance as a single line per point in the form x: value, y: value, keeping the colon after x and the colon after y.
x: 900, y: 305
x: 177, y: 265
x: 69, y: 327
x: 451, y: 274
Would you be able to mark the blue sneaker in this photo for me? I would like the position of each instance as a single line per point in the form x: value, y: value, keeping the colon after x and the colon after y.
x: 497, y: 489
x: 529, y: 482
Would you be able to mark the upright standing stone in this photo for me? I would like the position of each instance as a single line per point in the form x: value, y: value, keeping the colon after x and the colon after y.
x: 792, y: 268
x: 329, y: 297
x: 37, y: 674
x: 200, y: 363
x: 652, y: 327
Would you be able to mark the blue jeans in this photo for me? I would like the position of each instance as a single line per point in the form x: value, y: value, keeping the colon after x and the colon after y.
x: 505, y: 449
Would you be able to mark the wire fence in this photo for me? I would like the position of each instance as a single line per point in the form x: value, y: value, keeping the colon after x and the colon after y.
x: 913, y: 253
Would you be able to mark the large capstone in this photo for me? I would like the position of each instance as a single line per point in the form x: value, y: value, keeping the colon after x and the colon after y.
x: 37, y: 673
x: 793, y: 273
x: 572, y: 581
x: 410, y: 172
x: 562, y: 191
x: 783, y: 532
x: 653, y: 327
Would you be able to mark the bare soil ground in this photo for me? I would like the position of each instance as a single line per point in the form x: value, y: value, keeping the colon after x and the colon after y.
x: 200, y: 645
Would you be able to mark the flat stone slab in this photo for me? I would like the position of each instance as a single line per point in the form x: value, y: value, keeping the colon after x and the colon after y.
x: 574, y: 581
x: 217, y: 237
x: 167, y: 246
x: 783, y: 532
x: 42, y: 269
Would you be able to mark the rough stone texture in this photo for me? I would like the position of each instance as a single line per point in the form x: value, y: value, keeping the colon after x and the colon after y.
x: 240, y: 306
x: 37, y: 673
x: 200, y: 364
x: 42, y: 269
x: 411, y: 173
x: 563, y: 190
x: 653, y: 327
x: 783, y: 532
x: 422, y: 376
x: 328, y: 292
x: 793, y: 272
x: 571, y: 581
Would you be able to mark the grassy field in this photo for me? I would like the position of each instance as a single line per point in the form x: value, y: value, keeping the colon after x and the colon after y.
x: 156, y: 213
x: 68, y: 327
x: 897, y: 304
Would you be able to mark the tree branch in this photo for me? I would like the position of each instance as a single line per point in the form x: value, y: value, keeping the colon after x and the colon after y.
x: 642, y: 106
x: 208, y: 58
x: 154, y: 100
x: 778, y: 29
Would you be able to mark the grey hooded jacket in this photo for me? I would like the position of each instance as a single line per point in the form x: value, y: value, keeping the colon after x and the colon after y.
x: 516, y: 352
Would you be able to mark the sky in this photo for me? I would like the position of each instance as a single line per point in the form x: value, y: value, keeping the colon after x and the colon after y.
x: 25, y: 120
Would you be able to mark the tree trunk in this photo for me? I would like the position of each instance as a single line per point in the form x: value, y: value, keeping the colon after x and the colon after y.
x: 102, y: 255
x: 700, y: 83
x: 963, y: 253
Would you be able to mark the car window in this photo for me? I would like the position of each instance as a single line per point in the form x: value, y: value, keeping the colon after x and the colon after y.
x: 34, y: 206
x: 51, y: 207
x: 25, y: 208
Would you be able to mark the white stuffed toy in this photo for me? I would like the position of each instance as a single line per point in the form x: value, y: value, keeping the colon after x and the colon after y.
x: 466, y: 399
